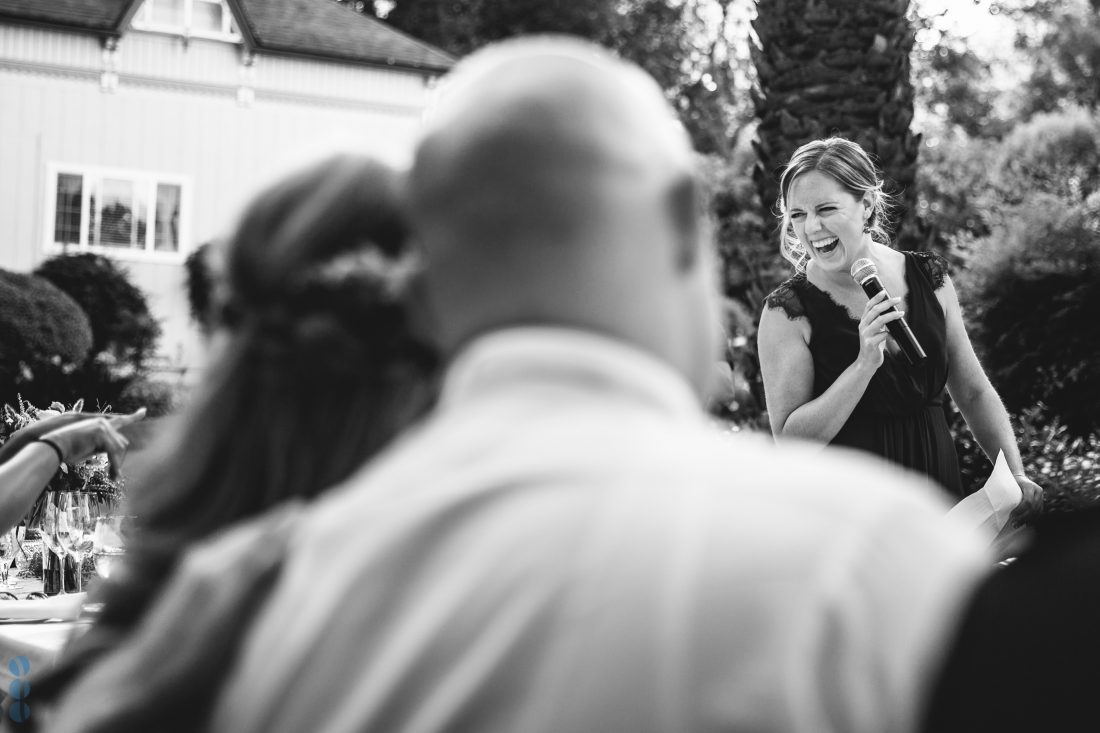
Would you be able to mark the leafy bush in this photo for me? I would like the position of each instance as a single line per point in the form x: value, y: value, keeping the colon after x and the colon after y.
x: 1031, y: 285
x: 1066, y: 466
x: 122, y: 325
x: 44, y: 337
x: 1032, y: 297
x: 1056, y: 153
x: 124, y: 331
x: 158, y: 398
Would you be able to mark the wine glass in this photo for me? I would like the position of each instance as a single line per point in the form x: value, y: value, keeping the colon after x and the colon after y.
x: 76, y: 528
x: 8, y: 547
x: 21, y: 559
x: 108, y: 545
x: 49, y: 531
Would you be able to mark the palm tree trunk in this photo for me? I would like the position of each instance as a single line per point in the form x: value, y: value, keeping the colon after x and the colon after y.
x: 837, y: 67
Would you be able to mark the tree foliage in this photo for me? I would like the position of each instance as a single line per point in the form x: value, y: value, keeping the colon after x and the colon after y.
x: 124, y: 332
x: 44, y: 336
x: 1061, y: 40
x: 688, y: 46
x: 1032, y: 287
x: 836, y: 68
x: 122, y: 324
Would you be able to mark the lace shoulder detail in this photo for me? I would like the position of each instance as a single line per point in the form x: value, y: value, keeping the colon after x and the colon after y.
x: 786, y: 297
x: 935, y: 267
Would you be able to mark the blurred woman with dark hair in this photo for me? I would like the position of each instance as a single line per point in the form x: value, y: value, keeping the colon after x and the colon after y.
x: 317, y: 367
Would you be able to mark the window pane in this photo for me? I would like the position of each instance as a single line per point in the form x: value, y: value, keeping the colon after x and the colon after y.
x: 118, y: 224
x: 206, y: 16
x: 167, y: 229
x: 66, y: 225
x: 167, y: 12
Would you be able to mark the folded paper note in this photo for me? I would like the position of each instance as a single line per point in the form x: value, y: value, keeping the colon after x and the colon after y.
x: 989, y: 508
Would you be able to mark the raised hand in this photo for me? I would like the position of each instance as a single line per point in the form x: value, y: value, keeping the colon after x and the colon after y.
x: 96, y: 434
x: 872, y: 328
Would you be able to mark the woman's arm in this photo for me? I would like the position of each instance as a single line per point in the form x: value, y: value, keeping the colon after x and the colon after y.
x: 22, y: 479
x: 24, y: 476
x: 787, y: 369
x: 979, y: 402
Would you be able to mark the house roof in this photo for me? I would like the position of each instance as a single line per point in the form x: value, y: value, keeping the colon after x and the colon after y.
x: 317, y: 28
x: 104, y: 16
x: 328, y: 29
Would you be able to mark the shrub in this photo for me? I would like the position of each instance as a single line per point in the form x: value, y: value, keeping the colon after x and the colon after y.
x: 1066, y: 466
x: 44, y: 337
x: 1032, y: 299
x: 1057, y: 153
x: 158, y: 398
x: 124, y: 331
x: 122, y: 325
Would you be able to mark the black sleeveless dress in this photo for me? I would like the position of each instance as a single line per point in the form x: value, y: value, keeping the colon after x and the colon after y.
x: 900, y: 416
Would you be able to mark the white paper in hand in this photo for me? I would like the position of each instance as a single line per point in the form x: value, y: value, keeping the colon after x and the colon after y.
x: 989, y: 508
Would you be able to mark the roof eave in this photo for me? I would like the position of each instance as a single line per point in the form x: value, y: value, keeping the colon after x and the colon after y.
x: 381, y: 63
x: 101, y: 33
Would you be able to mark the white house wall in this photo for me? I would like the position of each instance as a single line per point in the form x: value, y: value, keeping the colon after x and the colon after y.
x: 178, y: 110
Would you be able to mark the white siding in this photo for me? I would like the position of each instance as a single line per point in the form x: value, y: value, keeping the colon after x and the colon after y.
x: 175, y: 111
x: 22, y: 44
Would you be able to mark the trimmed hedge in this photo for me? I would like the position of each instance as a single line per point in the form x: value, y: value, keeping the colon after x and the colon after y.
x: 44, y: 337
x: 122, y: 324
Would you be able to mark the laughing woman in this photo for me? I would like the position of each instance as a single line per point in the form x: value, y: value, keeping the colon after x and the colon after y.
x: 832, y: 373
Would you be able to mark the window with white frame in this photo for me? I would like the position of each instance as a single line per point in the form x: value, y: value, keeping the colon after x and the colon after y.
x: 198, y: 18
x: 115, y: 211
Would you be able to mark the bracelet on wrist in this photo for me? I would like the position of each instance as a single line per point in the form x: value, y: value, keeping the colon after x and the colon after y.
x: 53, y: 444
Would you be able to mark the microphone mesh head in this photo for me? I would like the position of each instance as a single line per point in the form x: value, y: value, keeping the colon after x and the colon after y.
x: 863, y: 269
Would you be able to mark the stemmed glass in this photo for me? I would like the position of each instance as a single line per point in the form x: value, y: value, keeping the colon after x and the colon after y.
x: 8, y: 547
x: 49, y: 530
x: 76, y: 528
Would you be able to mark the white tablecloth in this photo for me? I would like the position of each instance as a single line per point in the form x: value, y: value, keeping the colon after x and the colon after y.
x: 39, y: 642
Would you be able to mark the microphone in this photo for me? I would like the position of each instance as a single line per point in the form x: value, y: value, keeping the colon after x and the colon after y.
x: 865, y: 273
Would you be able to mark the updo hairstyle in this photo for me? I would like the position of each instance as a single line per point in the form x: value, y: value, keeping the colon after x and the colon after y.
x: 850, y: 166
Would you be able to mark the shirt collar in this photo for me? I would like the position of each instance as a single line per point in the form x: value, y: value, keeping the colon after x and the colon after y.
x: 585, y: 359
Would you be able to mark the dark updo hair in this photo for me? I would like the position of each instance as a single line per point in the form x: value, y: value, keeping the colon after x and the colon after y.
x: 850, y: 166
x: 320, y: 368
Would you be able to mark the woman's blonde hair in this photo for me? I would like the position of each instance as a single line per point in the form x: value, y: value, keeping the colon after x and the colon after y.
x: 850, y: 166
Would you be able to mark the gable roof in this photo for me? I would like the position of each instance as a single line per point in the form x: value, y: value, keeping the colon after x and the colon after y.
x: 328, y: 29
x: 104, y: 16
x: 320, y: 29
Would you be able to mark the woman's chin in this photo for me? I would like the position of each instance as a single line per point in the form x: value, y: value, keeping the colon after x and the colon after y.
x: 834, y: 259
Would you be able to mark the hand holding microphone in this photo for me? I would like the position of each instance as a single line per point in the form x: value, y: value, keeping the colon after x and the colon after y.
x: 865, y: 273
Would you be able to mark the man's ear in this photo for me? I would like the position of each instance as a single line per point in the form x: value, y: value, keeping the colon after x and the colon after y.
x: 687, y: 206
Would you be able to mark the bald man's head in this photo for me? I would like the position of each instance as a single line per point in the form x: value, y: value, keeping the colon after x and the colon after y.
x: 551, y: 128
x: 553, y: 184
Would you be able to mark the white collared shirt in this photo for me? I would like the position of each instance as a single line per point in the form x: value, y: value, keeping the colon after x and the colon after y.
x: 567, y: 545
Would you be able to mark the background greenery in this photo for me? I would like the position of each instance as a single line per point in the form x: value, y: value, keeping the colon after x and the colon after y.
x: 994, y: 155
x: 78, y: 329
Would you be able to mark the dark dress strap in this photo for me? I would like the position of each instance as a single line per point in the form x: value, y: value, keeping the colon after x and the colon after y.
x: 786, y: 298
x: 934, y: 267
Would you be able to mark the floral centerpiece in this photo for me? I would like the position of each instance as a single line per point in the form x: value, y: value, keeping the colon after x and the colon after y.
x: 92, y: 475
